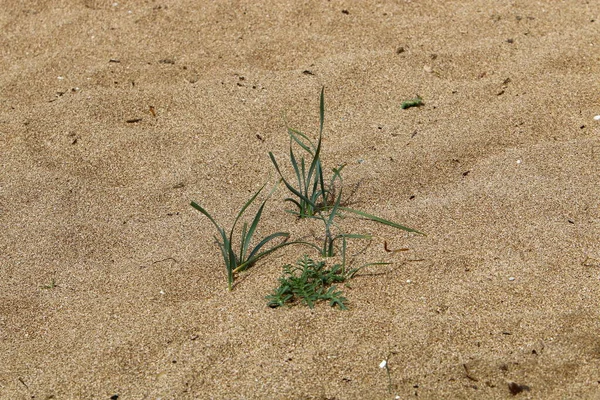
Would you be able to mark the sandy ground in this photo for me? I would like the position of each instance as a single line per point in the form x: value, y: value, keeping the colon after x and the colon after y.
x: 111, y: 284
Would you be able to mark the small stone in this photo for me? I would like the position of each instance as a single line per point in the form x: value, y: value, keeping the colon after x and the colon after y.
x: 512, y: 278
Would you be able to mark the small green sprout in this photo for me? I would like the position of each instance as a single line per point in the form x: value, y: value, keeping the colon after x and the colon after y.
x: 52, y: 285
x: 416, y: 102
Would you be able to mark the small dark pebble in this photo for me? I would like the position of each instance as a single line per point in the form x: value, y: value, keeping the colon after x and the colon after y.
x: 307, y: 72
x: 114, y: 397
x: 515, y: 388
x: 114, y: 60
x: 511, y: 41
x: 345, y: 12
x: 166, y: 61
x: 133, y: 120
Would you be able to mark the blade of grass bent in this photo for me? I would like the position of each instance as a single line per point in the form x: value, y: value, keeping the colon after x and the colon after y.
x: 244, y: 209
x: 294, y: 135
x: 285, y: 182
x: 248, y: 236
x: 203, y: 211
x: 256, y: 250
x: 381, y: 220
x: 353, y: 271
x: 226, y: 245
x: 253, y: 257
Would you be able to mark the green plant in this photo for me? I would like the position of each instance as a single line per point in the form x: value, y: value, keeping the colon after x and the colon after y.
x: 311, y: 195
x: 245, y: 256
x: 416, y: 102
x: 52, y: 285
x: 308, y: 282
x: 328, y: 249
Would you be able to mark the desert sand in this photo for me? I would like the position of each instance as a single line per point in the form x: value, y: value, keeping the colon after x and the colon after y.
x: 115, y: 115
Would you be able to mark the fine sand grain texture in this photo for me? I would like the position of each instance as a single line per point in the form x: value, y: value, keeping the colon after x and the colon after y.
x: 115, y: 115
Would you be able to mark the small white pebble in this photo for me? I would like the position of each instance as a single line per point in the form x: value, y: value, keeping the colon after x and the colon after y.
x: 397, y: 397
x: 383, y: 364
x: 60, y: 78
x: 512, y: 278
x: 597, y: 118
x: 162, y: 291
x: 518, y: 161
x: 408, y: 281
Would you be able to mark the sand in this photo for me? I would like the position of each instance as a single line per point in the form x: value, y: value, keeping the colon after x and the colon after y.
x: 115, y: 115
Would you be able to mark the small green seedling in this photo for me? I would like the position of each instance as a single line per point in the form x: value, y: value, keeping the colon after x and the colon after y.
x: 416, y: 102
x: 245, y: 256
x: 52, y: 285
x: 308, y: 282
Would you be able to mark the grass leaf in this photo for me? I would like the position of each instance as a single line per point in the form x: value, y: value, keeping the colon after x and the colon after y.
x: 380, y: 220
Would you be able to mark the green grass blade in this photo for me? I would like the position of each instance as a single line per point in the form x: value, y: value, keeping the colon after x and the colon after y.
x: 244, y: 209
x: 226, y: 249
x: 248, y: 237
x: 355, y: 236
x: 294, y: 136
x: 285, y: 182
x: 337, y: 173
x: 255, y: 257
x: 203, y: 211
x: 256, y: 250
x: 322, y: 110
x: 224, y: 252
x: 293, y: 201
x: 299, y: 175
x: 244, y: 246
x: 333, y: 212
x: 353, y: 271
x: 380, y: 220
x: 304, y: 183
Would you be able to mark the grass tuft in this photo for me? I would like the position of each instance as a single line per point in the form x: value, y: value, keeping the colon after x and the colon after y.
x: 310, y: 195
x: 243, y: 256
